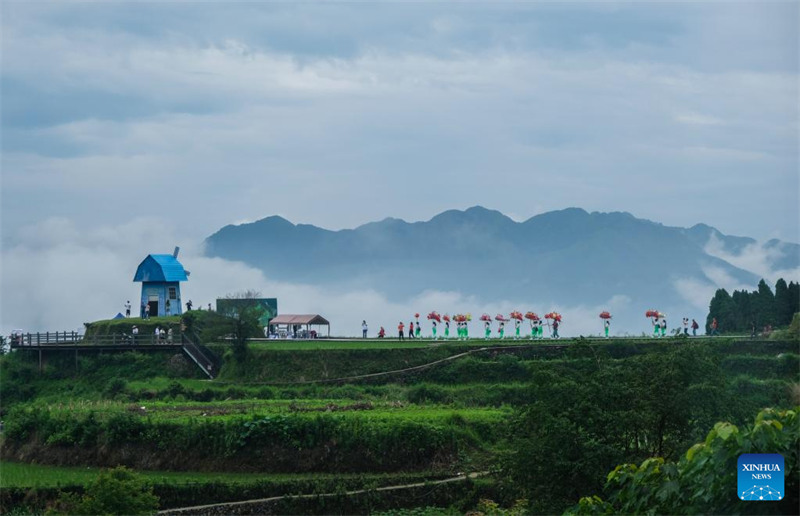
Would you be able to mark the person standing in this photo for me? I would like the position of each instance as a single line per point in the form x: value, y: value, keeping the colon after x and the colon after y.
x: 168, y: 308
x: 364, y: 329
x: 663, y: 326
x: 555, y: 328
x: 606, y: 324
x: 143, y: 309
x: 189, y: 305
x: 501, y: 329
x: 411, y: 330
x: 686, y: 326
x: 517, y: 322
x: 487, y: 327
x: 446, y: 330
x: 417, y: 330
x: 714, y: 326
x: 433, y: 328
x: 656, y: 326
x: 695, y: 326
x: 127, y: 308
x: 157, y: 334
x: 400, y: 328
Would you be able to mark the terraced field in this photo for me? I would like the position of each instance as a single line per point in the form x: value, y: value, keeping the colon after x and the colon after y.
x: 298, y: 417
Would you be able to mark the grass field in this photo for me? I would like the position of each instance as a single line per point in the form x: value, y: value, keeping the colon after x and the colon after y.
x: 17, y: 474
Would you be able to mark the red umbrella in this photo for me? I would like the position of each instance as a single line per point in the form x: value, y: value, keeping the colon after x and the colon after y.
x: 651, y: 313
x: 434, y: 316
x: 605, y: 315
x: 446, y: 318
x: 553, y: 315
x: 416, y: 315
x: 486, y: 317
x: 532, y: 316
x: 499, y: 317
x: 516, y: 315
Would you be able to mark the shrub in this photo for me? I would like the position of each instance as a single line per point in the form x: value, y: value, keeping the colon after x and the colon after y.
x: 116, y: 491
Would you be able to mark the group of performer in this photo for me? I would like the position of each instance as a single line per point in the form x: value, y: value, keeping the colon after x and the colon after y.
x: 552, y: 320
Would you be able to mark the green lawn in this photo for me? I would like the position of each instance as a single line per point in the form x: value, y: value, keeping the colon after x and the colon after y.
x: 15, y: 474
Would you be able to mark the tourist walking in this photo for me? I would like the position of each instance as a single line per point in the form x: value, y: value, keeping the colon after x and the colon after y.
x: 695, y: 326
x: 411, y: 330
x: 555, y: 328
x: 400, y: 328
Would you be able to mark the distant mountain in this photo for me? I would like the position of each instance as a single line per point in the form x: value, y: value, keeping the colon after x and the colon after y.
x: 567, y: 256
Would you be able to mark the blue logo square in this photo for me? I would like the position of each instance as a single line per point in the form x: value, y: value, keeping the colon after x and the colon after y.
x: 760, y: 477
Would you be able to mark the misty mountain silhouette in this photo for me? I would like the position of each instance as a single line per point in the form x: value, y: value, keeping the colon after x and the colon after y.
x: 568, y: 256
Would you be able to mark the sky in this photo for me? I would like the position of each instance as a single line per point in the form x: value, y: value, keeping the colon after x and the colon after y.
x: 128, y: 128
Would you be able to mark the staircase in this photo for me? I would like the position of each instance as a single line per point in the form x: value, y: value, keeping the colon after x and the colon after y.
x: 202, y: 359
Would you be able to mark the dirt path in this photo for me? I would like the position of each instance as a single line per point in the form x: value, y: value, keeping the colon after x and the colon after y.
x: 221, y: 507
x: 405, y: 370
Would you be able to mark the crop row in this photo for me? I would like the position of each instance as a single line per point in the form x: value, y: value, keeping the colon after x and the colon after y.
x: 261, y: 442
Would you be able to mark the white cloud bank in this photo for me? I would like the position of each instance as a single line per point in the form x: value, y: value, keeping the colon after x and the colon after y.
x: 57, y: 277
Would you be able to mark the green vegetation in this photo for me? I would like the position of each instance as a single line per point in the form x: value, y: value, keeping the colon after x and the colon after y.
x: 549, y: 420
x: 704, y: 480
x: 746, y: 312
x: 116, y: 491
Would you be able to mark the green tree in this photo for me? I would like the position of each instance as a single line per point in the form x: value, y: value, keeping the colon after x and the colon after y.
x: 704, y: 480
x: 794, y: 296
x: 238, y: 325
x: 743, y: 311
x: 115, y: 491
x: 764, y: 305
x: 723, y: 309
x: 583, y: 419
x: 784, y: 308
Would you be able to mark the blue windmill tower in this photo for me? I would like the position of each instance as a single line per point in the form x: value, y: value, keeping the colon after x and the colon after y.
x: 161, y: 275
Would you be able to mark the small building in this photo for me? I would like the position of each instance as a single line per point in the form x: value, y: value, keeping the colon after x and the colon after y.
x: 291, y: 325
x: 160, y: 275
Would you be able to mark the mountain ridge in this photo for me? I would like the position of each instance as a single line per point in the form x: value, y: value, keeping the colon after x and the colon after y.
x: 564, y: 256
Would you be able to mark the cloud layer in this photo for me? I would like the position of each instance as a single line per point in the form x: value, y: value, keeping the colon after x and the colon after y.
x: 222, y: 114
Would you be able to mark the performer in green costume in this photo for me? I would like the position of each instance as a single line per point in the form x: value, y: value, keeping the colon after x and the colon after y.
x: 656, y: 326
x: 466, y: 330
x: 501, y: 329
x: 606, y: 324
x: 488, y: 329
x: 516, y: 329
x: 447, y: 330
x: 433, y: 329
